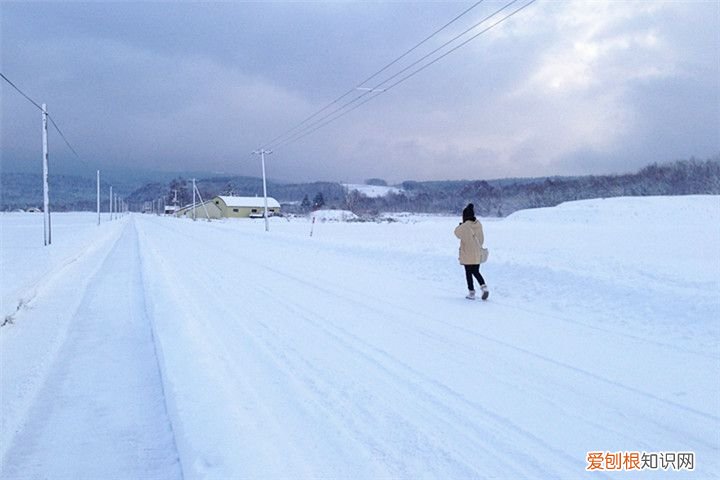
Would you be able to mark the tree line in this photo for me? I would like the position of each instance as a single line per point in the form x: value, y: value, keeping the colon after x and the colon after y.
x: 491, y: 197
x: 502, y: 197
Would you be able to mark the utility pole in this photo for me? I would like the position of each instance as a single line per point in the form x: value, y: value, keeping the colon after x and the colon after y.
x: 262, y: 153
x: 46, y: 196
x: 98, y: 195
x: 110, y: 206
x: 202, y: 202
x: 193, y: 199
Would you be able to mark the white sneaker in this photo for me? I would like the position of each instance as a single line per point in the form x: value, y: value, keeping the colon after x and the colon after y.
x: 470, y: 295
x: 485, y: 292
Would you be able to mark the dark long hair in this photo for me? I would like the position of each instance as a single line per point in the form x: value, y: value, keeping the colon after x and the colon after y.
x: 469, y: 213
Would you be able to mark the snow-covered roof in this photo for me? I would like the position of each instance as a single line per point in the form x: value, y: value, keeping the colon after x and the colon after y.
x: 254, y: 202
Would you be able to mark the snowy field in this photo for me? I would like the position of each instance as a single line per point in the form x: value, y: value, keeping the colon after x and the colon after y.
x: 159, y: 348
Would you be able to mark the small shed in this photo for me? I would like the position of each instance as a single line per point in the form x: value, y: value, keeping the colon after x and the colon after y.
x: 246, y: 207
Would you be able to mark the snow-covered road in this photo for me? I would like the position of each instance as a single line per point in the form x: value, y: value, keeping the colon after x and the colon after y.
x: 101, y: 410
x: 352, y: 354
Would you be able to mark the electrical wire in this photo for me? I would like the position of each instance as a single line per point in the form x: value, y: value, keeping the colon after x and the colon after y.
x: 52, y: 120
x: 376, y: 87
x: 65, y: 139
x: 21, y: 92
x: 448, y: 43
x: 318, y: 125
x: 460, y: 45
x: 416, y: 46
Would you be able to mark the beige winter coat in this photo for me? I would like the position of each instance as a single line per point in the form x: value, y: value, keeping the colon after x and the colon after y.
x: 471, y: 238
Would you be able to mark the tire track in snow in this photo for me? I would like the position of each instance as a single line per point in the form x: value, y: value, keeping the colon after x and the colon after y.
x: 326, y: 393
x: 691, y: 435
x: 347, y: 295
x: 341, y: 293
x: 431, y: 390
x: 396, y: 378
x: 225, y: 228
x: 686, y: 436
x: 288, y: 370
x: 255, y: 443
x: 431, y: 403
x: 334, y: 291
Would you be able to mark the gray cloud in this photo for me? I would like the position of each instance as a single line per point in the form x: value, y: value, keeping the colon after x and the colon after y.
x: 563, y: 88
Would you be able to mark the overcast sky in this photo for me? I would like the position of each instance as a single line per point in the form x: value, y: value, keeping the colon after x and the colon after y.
x: 574, y: 87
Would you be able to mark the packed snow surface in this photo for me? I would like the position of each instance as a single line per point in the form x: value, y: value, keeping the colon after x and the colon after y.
x: 158, y: 347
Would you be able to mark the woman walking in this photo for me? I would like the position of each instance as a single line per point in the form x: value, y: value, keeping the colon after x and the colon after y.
x: 471, y: 237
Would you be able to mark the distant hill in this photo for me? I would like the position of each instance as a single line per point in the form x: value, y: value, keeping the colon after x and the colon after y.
x: 68, y: 193
x: 498, y: 197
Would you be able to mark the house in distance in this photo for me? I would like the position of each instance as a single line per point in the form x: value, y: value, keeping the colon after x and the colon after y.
x: 224, y: 206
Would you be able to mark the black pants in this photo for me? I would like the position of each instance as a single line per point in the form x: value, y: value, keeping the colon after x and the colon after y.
x: 470, y: 271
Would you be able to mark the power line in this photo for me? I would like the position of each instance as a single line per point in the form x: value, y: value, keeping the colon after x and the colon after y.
x: 320, y: 120
x: 319, y: 124
x: 303, y: 122
x: 448, y: 43
x: 52, y: 120
x: 462, y: 44
x: 21, y: 92
x: 418, y: 45
x: 65, y: 139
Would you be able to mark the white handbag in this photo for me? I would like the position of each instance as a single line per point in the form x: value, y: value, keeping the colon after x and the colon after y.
x: 484, y: 253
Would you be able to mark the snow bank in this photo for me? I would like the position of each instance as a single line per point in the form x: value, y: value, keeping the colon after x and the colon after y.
x: 630, y: 241
x: 333, y: 215
x: 628, y: 210
x: 26, y: 263
x: 372, y: 191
